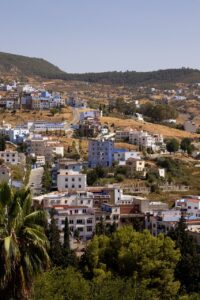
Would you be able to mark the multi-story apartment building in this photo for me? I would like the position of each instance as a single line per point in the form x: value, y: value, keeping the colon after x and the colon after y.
x: 42, y: 126
x: 42, y: 146
x: 141, y: 138
x: 69, y: 180
x: 80, y: 218
x: 110, y: 213
x: 39, y: 103
x: 190, y: 205
x: 100, y: 153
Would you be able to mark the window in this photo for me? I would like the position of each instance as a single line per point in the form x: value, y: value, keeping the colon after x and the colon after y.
x: 72, y: 186
x: 63, y: 222
x: 73, y: 179
x: 79, y: 221
x: 71, y: 221
x: 79, y: 186
x: 66, y: 185
x: 89, y: 228
x: 84, y: 211
x: 71, y: 228
x: 79, y: 179
x: 89, y: 221
x: 76, y: 211
x: 66, y: 179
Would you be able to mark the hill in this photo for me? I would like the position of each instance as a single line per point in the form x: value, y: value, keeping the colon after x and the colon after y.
x: 183, y: 75
x: 30, y: 66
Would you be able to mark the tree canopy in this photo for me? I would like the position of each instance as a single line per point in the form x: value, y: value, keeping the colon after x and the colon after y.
x: 23, y: 243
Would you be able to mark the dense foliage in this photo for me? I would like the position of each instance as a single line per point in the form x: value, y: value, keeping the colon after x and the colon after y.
x: 159, y: 112
x: 172, y: 145
x: 23, y: 243
x: 125, y: 265
x: 188, y: 268
x: 133, y: 78
x: 117, y: 263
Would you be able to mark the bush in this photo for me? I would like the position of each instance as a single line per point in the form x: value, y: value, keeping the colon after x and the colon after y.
x: 119, y: 177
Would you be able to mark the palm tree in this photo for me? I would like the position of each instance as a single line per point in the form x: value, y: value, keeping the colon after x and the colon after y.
x: 23, y: 243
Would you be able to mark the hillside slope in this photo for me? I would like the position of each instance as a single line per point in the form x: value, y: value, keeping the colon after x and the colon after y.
x: 30, y: 66
x: 141, y: 78
x: 167, y: 132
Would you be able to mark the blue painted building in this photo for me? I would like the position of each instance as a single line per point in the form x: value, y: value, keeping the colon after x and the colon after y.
x: 100, y: 153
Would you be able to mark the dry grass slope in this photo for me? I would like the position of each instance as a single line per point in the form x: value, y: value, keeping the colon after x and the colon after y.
x: 150, y: 127
x: 23, y: 116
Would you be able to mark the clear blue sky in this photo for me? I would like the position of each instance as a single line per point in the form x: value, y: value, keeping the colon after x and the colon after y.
x: 102, y: 35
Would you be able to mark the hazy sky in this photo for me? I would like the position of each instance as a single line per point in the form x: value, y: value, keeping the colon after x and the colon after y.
x: 102, y: 35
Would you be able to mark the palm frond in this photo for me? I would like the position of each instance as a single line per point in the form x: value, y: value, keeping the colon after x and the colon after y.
x: 37, y: 217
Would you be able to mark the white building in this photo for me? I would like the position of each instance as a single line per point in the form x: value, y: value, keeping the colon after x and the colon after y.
x: 139, y: 117
x: 90, y: 114
x: 191, y: 206
x: 146, y: 140
x: 125, y: 155
x: 18, y: 134
x: 41, y: 126
x: 69, y: 180
x: 141, y: 138
x: 11, y: 157
x: 161, y: 172
x: 77, y: 198
x: 28, y: 89
x: 80, y: 218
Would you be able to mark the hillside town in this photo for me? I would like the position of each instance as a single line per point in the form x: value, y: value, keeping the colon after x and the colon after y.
x: 105, y: 184
x: 100, y: 150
